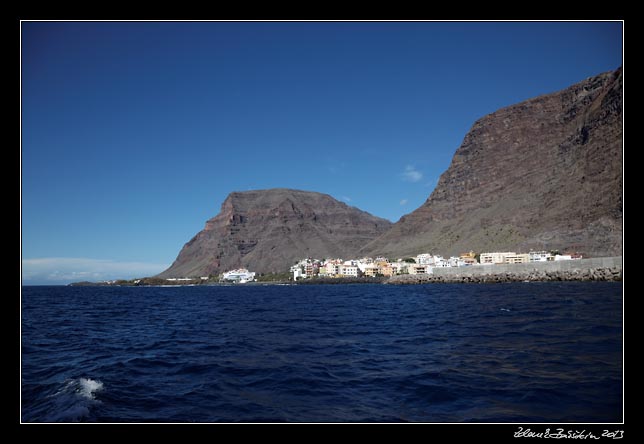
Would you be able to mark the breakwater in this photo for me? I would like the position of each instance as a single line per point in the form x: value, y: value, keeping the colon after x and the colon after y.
x: 594, y: 269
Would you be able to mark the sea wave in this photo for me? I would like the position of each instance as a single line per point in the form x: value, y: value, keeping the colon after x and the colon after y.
x: 73, y: 401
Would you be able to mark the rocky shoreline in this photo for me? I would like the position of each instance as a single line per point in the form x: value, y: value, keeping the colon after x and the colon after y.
x: 591, y: 274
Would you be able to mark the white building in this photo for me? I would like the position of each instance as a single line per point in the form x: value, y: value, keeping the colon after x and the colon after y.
x: 240, y: 275
x: 298, y: 272
x: 398, y: 267
x: 333, y: 268
x: 364, y: 264
x: 439, y: 262
x: 563, y: 257
x: 540, y: 256
x: 350, y: 270
x: 456, y: 261
x: 425, y: 259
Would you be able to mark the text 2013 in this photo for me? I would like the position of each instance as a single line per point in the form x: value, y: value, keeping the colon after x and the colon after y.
x: 615, y: 434
x: 567, y: 434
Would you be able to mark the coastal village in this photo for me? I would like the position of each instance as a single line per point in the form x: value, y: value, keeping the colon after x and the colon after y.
x: 423, y: 268
x: 421, y: 264
x: 383, y: 267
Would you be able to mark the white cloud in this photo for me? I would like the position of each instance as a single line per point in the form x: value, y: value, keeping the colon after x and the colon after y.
x: 403, y: 202
x: 346, y: 198
x: 63, y: 270
x: 411, y: 174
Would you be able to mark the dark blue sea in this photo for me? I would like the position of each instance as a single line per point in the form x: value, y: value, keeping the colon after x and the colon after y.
x: 525, y: 352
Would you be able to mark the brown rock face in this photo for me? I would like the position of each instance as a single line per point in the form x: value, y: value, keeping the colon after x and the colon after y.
x: 542, y: 174
x: 268, y: 230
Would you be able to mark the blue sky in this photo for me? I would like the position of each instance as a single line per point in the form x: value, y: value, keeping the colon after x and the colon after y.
x: 133, y: 133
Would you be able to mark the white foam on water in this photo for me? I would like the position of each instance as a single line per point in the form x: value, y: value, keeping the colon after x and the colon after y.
x: 74, y: 400
x: 89, y: 386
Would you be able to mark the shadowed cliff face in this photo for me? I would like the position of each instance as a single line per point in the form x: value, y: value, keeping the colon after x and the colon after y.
x: 542, y: 174
x: 268, y: 230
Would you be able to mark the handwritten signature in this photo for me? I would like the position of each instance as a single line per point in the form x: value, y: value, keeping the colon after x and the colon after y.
x: 567, y: 434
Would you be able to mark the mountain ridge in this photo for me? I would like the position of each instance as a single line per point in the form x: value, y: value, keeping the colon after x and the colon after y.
x: 268, y: 230
x: 544, y: 173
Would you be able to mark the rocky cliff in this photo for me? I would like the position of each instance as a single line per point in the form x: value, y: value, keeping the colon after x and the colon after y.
x: 542, y: 174
x: 268, y: 230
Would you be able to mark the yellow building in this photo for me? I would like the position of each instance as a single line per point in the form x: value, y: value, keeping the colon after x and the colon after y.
x: 509, y: 257
x: 495, y: 258
x: 469, y: 258
x: 517, y: 259
x: 416, y: 269
x: 382, y: 263
x: 371, y: 270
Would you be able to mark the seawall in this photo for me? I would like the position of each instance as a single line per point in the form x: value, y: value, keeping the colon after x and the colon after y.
x: 594, y: 269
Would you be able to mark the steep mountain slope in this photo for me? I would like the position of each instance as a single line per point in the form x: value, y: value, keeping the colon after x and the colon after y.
x: 542, y: 174
x: 268, y: 230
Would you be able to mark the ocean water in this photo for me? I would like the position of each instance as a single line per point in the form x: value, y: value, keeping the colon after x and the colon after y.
x: 525, y: 352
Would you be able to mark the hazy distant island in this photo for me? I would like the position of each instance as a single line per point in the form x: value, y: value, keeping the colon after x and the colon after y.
x: 539, y: 176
